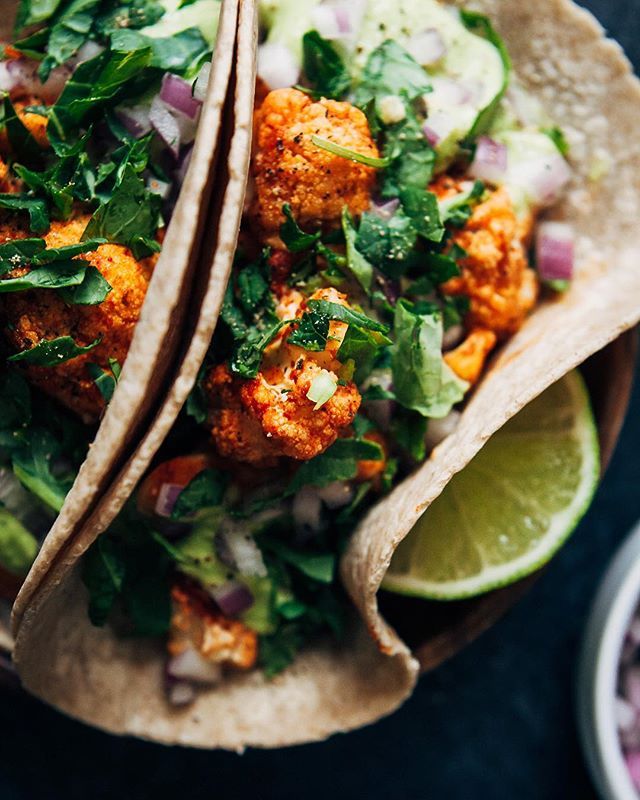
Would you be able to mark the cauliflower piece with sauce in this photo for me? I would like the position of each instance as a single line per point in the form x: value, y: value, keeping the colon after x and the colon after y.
x: 42, y: 314
x: 269, y: 416
x: 289, y: 168
x: 195, y: 624
x: 496, y: 275
x: 467, y: 360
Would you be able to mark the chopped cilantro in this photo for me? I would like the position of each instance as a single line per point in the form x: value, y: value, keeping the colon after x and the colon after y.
x: 391, y: 70
x: 294, y: 238
x: 323, y: 67
x: 53, y: 352
x: 204, y: 491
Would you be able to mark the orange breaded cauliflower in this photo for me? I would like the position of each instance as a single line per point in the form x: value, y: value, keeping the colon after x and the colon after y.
x: 270, y: 415
x: 495, y: 273
x: 36, y: 124
x: 223, y: 641
x: 467, y: 360
x: 289, y: 168
x: 42, y: 314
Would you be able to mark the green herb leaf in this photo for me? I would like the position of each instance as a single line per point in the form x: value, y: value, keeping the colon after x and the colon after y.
x: 311, y: 332
x: 247, y: 357
x: 411, y: 157
x: 346, y: 314
x: 23, y: 145
x: 105, y: 382
x: 422, y: 209
x: 457, y: 209
x: 130, y: 217
x: 69, y: 31
x: 56, y: 276
x: 323, y: 67
x: 391, y: 70
x: 363, y: 348
x: 52, y: 352
x: 91, y: 292
x: 387, y: 243
x: 37, y: 210
x: 557, y: 136
x: 358, y: 265
x: 204, y: 491
x: 348, y: 153
x: 294, y: 238
x: 338, y: 463
x: 421, y: 379
x: 481, y: 25
x: 33, y: 12
x: 103, y: 571
x: 173, y: 53
x: 317, y: 566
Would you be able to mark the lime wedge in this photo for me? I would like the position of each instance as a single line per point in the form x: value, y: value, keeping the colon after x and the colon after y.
x: 508, y: 511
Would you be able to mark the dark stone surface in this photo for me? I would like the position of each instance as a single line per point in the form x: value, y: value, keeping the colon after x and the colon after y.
x: 495, y: 723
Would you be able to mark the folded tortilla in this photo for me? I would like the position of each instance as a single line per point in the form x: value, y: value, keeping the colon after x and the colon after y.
x: 585, y: 82
x: 157, y: 339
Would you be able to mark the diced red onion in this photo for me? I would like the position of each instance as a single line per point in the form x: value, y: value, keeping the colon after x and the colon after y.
x: 135, y: 119
x: 190, y: 665
x: 432, y: 136
x: 338, y: 20
x: 161, y: 188
x: 438, y: 126
x: 385, y: 209
x: 181, y: 693
x: 178, y: 95
x: 426, y: 47
x: 241, y: 547
x: 277, y: 65
x: 307, y: 510
x: 452, y: 337
x: 167, y: 498
x: 448, y: 92
x: 165, y: 125
x: 439, y: 429
x: 202, y: 82
x: 89, y: 50
x: 19, y: 76
x: 555, y: 251
x: 232, y: 598
x: 544, y: 178
x: 490, y: 161
x: 336, y: 495
x: 185, y: 160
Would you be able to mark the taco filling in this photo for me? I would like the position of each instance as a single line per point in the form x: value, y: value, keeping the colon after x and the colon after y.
x: 98, y: 116
x: 390, y: 244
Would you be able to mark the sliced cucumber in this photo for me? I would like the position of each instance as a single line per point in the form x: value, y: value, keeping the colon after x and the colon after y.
x: 202, y: 14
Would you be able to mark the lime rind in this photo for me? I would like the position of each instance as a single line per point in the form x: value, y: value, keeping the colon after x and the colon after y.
x: 569, y: 426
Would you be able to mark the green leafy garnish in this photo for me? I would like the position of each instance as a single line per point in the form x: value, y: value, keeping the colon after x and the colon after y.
x: 338, y: 463
x: 356, y: 262
x: 52, y: 352
x: 294, y: 238
x: 391, y: 70
x: 173, y: 53
x: 23, y: 145
x: 557, y: 136
x: 204, y: 491
x: 351, y: 155
x: 421, y: 379
x: 323, y: 67
x: 37, y: 210
x: 69, y: 31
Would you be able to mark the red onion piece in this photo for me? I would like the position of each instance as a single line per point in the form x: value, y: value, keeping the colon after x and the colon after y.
x: 338, y: 20
x: 190, y: 665
x: 232, y: 598
x: 342, y: 18
x: 277, y: 66
x: 490, y: 161
x: 439, y: 429
x: 135, y: 119
x: 555, y: 251
x: 385, y: 209
x: 167, y: 498
x: 19, y: 76
x: 432, y: 136
x: 165, y: 125
x: 307, y: 510
x: 181, y: 693
x: 185, y: 160
x: 546, y: 178
x: 632, y: 761
x: 178, y: 95
x: 626, y: 715
x: 448, y: 92
x: 426, y: 47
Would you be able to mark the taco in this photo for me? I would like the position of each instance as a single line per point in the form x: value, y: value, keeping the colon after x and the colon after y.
x: 424, y: 250
x: 103, y: 196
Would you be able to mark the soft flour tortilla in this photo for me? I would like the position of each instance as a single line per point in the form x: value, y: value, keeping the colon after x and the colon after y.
x: 585, y: 83
x: 156, y: 340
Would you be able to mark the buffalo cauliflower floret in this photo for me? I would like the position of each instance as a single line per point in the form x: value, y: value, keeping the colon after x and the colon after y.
x: 36, y: 124
x: 42, y: 314
x: 270, y: 415
x: 496, y: 276
x: 289, y: 168
x: 467, y: 360
x: 194, y: 624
